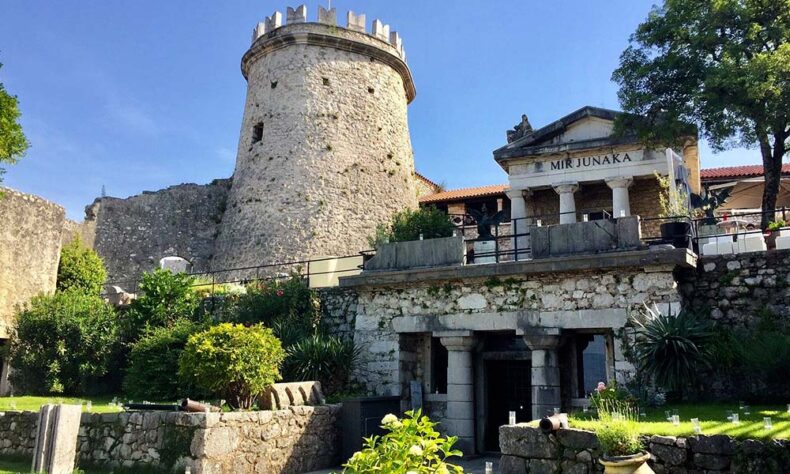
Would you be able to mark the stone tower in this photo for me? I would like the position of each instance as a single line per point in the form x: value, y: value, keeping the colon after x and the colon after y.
x: 324, y: 151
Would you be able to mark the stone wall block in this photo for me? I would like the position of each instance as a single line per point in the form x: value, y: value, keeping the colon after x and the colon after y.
x: 527, y: 442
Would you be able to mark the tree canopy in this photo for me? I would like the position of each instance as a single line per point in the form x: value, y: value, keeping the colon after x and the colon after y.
x: 722, y: 65
x: 13, y: 142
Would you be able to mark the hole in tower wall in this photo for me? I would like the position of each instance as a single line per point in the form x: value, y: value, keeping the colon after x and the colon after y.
x: 274, y: 84
x: 257, y: 132
x: 326, y: 80
x: 371, y: 90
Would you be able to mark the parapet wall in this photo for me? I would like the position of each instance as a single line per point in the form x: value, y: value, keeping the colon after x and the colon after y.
x: 133, y: 234
x: 291, y: 441
x: 569, y: 451
x: 30, y: 236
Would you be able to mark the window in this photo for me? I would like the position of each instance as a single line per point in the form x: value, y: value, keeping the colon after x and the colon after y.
x: 590, y: 362
x: 257, y: 132
x: 438, y: 366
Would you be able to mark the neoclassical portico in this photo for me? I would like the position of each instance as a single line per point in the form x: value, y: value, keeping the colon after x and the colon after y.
x: 576, y: 157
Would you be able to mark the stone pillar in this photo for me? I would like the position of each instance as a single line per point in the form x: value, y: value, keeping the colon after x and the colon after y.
x: 460, y: 419
x: 545, y: 371
x: 621, y: 205
x: 567, y: 201
x: 519, y: 222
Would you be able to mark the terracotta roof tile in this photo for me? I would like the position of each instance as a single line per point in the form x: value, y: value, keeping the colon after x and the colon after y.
x: 464, y: 193
x: 736, y: 172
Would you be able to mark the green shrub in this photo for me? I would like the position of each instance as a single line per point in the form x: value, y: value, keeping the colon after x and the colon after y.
x: 232, y: 361
x: 328, y: 359
x: 619, y: 437
x: 267, y: 302
x: 80, y: 268
x: 166, y: 298
x: 153, y: 362
x: 672, y: 349
x: 412, y: 445
x: 410, y: 223
x: 63, y: 343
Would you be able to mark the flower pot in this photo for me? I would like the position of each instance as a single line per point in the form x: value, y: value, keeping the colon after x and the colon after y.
x: 676, y: 233
x: 632, y: 464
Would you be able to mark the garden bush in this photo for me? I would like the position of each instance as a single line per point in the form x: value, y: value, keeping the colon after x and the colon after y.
x: 232, y: 361
x: 328, y: 359
x: 153, y: 364
x: 80, y: 268
x: 166, y: 298
x: 412, y: 444
x: 290, y: 300
x: 63, y: 344
x: 757, y: 375
x: 410, y: 223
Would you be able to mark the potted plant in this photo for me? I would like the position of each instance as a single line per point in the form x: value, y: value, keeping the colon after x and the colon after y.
x: 674, y: 204
x: 773, y: 232
x: 618, y: 435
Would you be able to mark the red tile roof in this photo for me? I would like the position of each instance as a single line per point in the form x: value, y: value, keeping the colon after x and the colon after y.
x: 736, y: 172
x: 465, y: 193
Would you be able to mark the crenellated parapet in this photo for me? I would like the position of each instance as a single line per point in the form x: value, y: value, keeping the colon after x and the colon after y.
x: 354, y: 22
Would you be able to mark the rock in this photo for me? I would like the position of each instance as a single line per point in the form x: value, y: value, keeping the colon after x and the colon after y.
x: 512, y: 465
x: 543, y: 466
x: 715, y: 444
x: 577, y: 439
x: 472, y: 301
x: 711, y: 461
x: 570, y: 467
x: 526, y: 442
x: 667, y: 440
x: 670, y: 455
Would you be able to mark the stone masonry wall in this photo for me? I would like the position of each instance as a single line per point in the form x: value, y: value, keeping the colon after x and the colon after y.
x: 30, y: 236
x: 569, y: 451
x: 733, y: 289
x: 294, y: 440
x: 339, y: 311
x: 572, y: 295
x: 132, y: 234
x: 334, y: 157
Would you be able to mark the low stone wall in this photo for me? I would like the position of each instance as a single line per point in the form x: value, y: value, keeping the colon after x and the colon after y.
x: 295, y: 440
x: 569, y: 451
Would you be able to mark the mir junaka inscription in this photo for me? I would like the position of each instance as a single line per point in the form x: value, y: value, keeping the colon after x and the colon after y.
x: 590, y: 161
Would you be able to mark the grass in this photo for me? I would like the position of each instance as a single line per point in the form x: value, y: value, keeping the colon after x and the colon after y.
x: 713, y: 420
x: 31, y: 403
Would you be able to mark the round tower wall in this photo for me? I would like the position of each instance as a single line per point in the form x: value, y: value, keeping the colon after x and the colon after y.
x: 324, y: 153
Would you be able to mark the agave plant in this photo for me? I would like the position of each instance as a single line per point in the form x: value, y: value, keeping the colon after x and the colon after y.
x: 672, y: 348
x: 328, y: 359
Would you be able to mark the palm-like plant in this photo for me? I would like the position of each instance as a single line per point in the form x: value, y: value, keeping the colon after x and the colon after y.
x: 672, y: 348
x: 328, y: 359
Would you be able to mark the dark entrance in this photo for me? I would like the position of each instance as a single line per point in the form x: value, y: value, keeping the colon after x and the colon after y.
x: 508, y: 388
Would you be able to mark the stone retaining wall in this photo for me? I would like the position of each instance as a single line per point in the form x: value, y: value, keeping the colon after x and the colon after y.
x: 526, y: 450
x: 294, y: 440
x: 734, y: 288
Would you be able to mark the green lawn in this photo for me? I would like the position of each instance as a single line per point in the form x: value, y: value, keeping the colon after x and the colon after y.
x: 30, y: 403
x: 713, y: 420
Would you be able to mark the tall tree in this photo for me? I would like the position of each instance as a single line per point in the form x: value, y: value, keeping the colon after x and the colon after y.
x: 13, y: 143
x: 723, y: 65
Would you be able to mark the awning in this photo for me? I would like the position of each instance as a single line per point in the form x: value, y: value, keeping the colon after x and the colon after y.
x: 748, y: 194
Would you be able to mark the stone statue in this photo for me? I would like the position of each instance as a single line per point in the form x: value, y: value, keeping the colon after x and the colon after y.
x: 485, y: 221
x: 522, y: 129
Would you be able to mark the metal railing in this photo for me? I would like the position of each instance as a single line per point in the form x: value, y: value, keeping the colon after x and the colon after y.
x: 510, y: 241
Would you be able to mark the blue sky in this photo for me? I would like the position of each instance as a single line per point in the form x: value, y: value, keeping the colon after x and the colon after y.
x: 146, y: 94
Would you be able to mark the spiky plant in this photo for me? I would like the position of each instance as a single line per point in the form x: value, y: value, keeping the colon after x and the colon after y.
x: 672, y: 348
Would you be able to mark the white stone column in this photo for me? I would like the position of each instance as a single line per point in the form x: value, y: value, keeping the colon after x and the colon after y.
x: 460, y: 419
x: 621, y: 206
x: 567, y: 201
x: 545, y: 371
x: 519, y: 222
